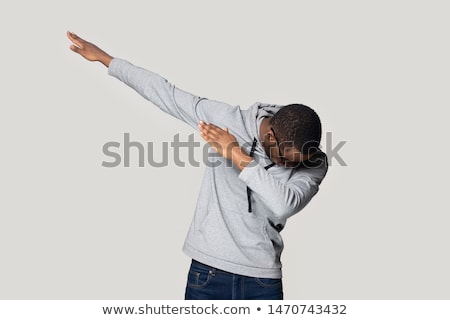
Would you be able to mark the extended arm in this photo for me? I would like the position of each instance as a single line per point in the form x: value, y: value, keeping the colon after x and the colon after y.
x: 170, y: 99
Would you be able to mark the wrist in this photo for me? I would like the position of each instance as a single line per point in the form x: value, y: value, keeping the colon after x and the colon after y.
x: 105, y: 59
x: 240, y: 158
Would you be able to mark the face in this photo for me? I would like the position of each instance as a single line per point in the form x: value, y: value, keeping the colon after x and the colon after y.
x: 282, y: 154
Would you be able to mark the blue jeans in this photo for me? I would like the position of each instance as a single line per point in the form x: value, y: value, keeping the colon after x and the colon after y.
x: 208, y: 283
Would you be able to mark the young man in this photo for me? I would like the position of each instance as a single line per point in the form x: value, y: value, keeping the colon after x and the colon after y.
x: 271, y: 168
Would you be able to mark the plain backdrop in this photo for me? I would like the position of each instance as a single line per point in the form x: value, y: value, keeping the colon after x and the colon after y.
x: 376, y: 72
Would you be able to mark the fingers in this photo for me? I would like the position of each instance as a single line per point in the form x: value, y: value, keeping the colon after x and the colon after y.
x: 207, y: 134
x: 211, y: 135
x: 209, y: 127
x: 209, y: 131
x: 72, y: 36
x: 75, y: 39
x: 74, y: 48
x: 220, y: 140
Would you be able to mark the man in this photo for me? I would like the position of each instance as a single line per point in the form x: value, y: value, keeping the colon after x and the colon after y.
x: 271, y: 168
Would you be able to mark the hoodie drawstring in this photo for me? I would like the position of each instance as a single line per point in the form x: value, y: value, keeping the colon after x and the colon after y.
x: 249, y: 191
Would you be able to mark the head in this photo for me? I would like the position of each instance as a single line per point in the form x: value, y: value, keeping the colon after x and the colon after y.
x: 292, y: 135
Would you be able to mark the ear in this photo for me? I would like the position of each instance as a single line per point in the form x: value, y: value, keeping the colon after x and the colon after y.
x: 271, y: 136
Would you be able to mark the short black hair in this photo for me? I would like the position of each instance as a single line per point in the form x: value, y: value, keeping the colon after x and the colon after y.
x: 299, y: 125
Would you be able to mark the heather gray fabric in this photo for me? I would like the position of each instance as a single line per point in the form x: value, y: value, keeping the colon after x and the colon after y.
x: 223, y: 234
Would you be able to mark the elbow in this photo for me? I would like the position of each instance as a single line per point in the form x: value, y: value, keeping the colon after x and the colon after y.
x: 282, y: 211
x: 294, y: 202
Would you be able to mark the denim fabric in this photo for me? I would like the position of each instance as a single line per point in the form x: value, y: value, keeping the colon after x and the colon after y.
x: 208, y: 283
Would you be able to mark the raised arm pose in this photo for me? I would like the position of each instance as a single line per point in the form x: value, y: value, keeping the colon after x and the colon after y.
x: 271, y: 168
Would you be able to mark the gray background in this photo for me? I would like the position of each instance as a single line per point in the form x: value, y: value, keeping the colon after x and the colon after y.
x: 377, y: 73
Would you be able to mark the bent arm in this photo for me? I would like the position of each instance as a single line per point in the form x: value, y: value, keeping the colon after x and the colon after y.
x: 284, y: 199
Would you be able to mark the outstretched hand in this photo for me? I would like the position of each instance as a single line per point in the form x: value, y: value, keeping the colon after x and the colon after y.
x: 88, y: 50
x: 224, y: 143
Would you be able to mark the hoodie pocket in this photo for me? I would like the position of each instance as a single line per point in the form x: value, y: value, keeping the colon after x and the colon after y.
x: 275, y: 238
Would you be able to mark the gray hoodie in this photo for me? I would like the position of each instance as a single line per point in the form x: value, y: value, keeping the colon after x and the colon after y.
x: 224, y: 233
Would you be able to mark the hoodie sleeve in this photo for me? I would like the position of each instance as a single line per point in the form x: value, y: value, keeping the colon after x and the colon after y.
x: 176, y: 102
x: 284, y: 199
